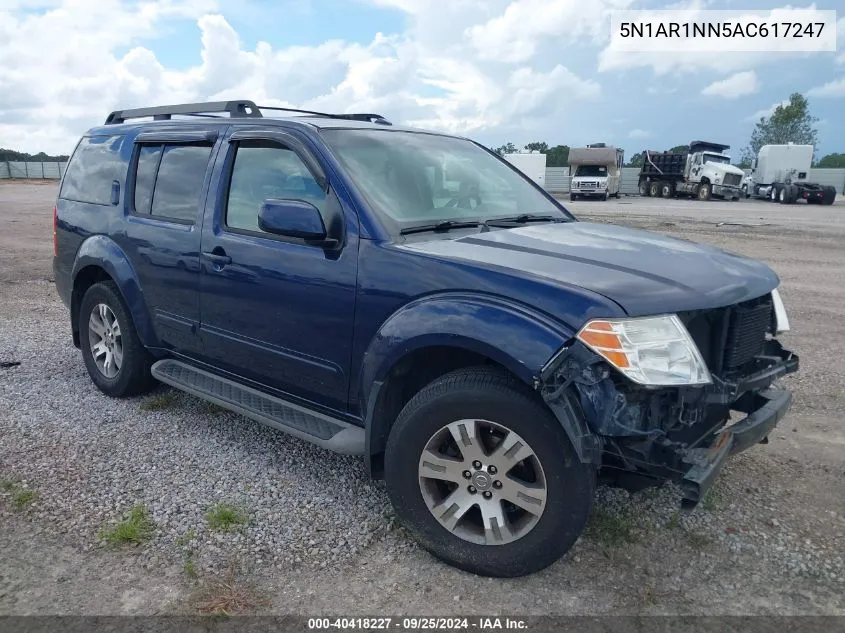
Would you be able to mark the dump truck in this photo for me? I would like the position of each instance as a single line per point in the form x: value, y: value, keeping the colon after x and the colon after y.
x: 702, y: 172
x: 779, y: 173
x: 595, y: 171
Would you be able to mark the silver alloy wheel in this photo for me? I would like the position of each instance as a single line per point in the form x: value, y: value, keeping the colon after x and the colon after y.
x: 482, y: 482
x: 105, y: 340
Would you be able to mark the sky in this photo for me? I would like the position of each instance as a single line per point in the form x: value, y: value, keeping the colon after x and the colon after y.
x: 495, y: 70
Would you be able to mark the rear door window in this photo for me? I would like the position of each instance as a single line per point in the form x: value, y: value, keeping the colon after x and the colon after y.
x: 95, y: 165
x: 169, y: 180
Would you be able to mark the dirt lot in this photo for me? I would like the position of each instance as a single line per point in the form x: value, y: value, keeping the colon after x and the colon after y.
x: 769, y: 540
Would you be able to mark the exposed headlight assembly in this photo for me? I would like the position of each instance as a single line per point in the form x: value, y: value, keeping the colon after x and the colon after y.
x: 655, y: 351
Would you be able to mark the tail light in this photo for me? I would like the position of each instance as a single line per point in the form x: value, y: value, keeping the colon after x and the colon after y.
x: 55, y: 232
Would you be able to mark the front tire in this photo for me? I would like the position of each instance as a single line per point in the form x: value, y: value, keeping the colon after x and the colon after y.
x: 527, y: 497
x: 116, y: 360
x: 704, y: 192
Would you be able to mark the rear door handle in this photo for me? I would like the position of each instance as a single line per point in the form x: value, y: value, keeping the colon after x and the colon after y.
x: 218, y: 259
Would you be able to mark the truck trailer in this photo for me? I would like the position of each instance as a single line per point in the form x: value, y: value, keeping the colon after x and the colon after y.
x: 702, y: 172
x: 779, y: 173
x: 595, y: 171
x: 530, y: 163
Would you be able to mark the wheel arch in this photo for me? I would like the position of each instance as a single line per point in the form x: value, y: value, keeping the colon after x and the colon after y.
x: 434, y: 336
x: 101, y: 259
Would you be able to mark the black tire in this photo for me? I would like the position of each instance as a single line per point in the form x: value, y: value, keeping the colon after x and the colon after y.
x: 667, y: 189
x: 644, y: 188
x: 774, y: 193
x: 745, y: 192
x: 654, y: 189
x: 489, y: 394
x: 704, y: 191
x: 828, y: 195
x: 604, y: 197
x: 572, y: 197
x: 791, y: 194
x: 133, y: 377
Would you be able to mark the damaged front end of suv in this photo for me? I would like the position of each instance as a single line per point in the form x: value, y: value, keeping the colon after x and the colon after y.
x: 651, y: 398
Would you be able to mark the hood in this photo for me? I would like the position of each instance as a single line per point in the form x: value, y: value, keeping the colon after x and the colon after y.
x: 645, y: 273
x: 727, y: 169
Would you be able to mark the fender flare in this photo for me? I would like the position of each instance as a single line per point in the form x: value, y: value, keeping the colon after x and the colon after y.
x: 517, y: 337
x: 103, y: 252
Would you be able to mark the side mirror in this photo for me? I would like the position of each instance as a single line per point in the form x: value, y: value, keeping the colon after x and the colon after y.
x: 753, y: 164
x: 294, y: 218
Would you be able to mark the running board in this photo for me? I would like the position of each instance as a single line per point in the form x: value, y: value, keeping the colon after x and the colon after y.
x: 323, y: 430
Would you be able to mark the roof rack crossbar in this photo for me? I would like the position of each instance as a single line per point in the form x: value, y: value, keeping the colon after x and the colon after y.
x: 235, y: 109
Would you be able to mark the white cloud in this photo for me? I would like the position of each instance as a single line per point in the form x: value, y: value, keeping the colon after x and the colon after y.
x: 638, y: 133
x: 735, y: 86
x: 513, y: 36
x: 101, y: 58
x: 767, y: 112
x: 835, y: 88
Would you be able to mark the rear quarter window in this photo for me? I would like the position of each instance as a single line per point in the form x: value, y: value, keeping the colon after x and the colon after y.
x: 95, y: 164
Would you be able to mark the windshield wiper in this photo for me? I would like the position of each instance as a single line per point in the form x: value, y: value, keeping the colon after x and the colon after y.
x: 446, y: 225
x: 523, y: 218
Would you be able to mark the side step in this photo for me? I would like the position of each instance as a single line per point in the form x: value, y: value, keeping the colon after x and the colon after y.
x: 323, y: 430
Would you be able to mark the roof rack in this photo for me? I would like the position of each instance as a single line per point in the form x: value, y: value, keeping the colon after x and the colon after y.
x: 242, y: 108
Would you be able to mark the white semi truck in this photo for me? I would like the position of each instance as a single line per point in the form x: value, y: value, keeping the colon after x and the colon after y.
x: 780, y: 172
x: 702, y: 172
x: 595, y: 171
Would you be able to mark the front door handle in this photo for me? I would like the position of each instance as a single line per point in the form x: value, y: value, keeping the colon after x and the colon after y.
x: 218, y: 257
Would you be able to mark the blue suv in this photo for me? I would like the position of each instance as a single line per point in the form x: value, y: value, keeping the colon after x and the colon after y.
x: 410, y: 297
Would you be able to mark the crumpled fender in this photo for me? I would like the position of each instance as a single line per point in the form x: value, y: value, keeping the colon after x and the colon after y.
x: 513, y: 335
x: 102, y: 251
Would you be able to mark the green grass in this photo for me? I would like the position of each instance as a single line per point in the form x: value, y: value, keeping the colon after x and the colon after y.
x: 612, y: 530
x: 136, y: 528
x: 22, y: 497
x: 6, y: 485
x: 224, y: 517
x: 190, y: 568
x: 713, y: 499
x: 697, y: 540
x: 160, y: 402
x: 186, y: 538
x: 674, y: 521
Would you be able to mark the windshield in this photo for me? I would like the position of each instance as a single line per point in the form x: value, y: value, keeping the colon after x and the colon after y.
x: 592, y: 171
x: 717, y: 158
x: 414, y: 178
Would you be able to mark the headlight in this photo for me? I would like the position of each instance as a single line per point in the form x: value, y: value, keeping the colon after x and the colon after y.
x: 781, y: 320
x: 602, y: 185
x: 652, y: 351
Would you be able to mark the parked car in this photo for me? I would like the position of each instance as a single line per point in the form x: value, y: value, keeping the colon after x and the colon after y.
x: 411, y: 297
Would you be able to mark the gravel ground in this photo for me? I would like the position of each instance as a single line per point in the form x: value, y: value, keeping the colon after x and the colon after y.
x: 321, y: 538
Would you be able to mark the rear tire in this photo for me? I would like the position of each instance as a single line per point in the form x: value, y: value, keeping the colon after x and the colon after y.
x: 667, y: 189
x: 117, y: 361
x: 474, y: 414
x: 828, y: 195
x: 774, y: 193
x: 644, y: 189
x: 654, y: 189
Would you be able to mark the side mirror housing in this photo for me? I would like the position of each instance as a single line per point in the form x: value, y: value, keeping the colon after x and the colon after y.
x: 294, y: 218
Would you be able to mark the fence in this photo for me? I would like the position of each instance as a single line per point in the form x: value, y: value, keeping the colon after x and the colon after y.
x: 20, y: 169
x: 557, y: 179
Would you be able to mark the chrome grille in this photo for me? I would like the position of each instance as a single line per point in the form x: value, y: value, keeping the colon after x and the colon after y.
x: 732, y: 180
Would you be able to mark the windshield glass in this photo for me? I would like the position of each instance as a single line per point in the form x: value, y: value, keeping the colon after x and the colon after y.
x: 415, y: 178
x: 592, y: 171
x: 716, y: 158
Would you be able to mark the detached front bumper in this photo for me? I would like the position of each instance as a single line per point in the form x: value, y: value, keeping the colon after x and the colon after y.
x: 767, y: 408
x: 682, y: 434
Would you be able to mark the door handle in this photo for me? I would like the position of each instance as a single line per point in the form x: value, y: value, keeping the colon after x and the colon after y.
x: 219, y: 258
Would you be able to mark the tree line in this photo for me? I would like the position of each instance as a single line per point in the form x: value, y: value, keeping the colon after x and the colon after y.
x: 790, y: 122
x: 14, y: 156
